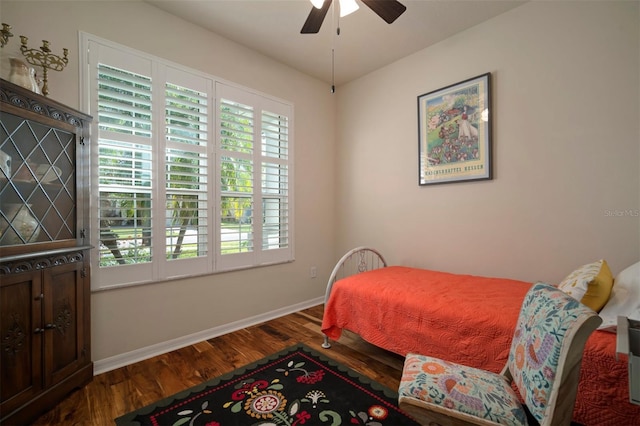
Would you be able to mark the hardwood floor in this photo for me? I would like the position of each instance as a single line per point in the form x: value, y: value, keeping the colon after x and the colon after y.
x: 120, y: 391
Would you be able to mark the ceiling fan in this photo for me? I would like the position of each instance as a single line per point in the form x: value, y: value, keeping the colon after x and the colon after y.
x: 389, y: 10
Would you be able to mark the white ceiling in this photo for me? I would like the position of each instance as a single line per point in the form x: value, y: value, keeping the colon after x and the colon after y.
x: 365, y: 43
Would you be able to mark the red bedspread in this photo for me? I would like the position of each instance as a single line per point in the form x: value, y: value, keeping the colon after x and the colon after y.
x: 469, y: 320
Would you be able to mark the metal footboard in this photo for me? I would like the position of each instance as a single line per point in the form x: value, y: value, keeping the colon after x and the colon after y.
x: 355, y: 261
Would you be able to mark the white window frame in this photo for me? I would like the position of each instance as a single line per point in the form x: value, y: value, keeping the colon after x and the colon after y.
x: 160, y: 269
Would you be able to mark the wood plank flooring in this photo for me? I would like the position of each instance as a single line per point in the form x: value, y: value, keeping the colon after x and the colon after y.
x: 120, y: 391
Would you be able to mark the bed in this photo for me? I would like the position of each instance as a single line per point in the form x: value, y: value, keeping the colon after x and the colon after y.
x: 462, y: 318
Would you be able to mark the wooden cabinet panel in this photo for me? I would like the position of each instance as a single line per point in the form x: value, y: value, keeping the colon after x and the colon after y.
x: 21, y: 360
x: 64, y: 344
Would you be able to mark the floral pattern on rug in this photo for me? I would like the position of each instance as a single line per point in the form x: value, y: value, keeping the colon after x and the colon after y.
x: 297, y: 386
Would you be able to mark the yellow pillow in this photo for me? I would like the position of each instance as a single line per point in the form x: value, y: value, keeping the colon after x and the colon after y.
x: 590, y: 284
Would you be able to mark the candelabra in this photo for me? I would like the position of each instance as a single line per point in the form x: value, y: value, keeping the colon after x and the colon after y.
x: 5, y: 33
x: 44, y: 58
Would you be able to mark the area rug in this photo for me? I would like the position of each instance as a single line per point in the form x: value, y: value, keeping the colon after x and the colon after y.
x: 296, y: 386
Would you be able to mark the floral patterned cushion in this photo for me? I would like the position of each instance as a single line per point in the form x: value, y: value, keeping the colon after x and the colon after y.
x: 464, y: 389
x: 547, y: 315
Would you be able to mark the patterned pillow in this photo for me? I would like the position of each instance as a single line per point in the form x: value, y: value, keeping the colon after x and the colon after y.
x: 590, y: 284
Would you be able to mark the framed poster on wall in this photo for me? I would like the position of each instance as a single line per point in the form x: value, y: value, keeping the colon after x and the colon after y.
x: 454, y: 128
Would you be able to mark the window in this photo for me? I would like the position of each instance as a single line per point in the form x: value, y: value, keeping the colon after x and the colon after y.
x: 254, y: 176
x: 192, y: 174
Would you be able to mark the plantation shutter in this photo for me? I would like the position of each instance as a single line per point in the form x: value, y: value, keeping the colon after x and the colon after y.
x: 275, y: 181
x: 254, y: 204
x: 124, y: 165
x: 237, y: 182
x: 187, y: 221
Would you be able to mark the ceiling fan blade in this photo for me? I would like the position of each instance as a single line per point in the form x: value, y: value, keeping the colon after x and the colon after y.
x: 316, y: 17
x: 389, y: 10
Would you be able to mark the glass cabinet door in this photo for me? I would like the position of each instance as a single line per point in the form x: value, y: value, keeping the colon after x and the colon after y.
x: 37, y: 182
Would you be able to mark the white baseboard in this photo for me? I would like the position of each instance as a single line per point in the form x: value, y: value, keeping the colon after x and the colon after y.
x: 117, y: 361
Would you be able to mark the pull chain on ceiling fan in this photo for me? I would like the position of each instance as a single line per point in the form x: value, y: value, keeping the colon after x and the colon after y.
x: 389, y: 10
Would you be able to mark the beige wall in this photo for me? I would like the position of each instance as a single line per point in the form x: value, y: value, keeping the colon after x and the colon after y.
x: 128, y: 319
x: 566, y: 148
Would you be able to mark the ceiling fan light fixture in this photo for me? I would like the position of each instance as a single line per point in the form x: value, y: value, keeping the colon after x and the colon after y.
x: 317, y: 3
x: 347, y: 7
